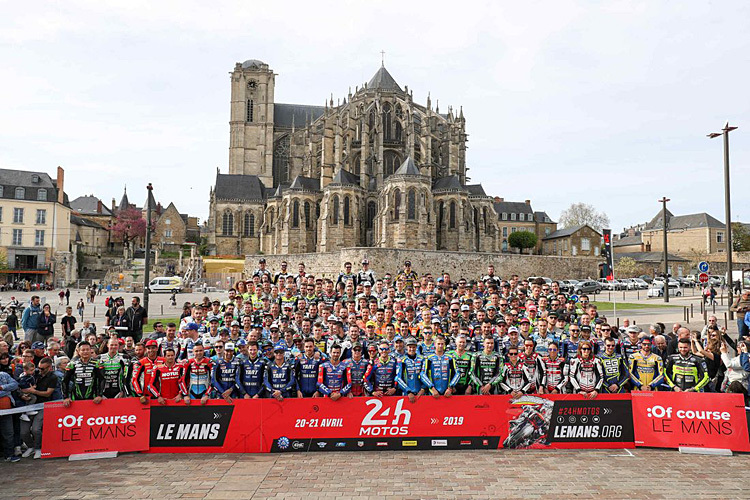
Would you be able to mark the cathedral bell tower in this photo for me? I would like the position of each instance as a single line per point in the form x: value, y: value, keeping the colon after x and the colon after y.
x: 251, y: 120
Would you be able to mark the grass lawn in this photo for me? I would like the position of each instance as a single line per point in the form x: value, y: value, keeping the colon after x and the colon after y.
x: 625, y: 306
x: 150, y: 327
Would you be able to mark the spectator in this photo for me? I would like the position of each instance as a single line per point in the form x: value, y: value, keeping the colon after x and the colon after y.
x: 68, y: 322
x: 734, y: 370
x: 7, y: 386
x: 46, y: 324
x: 30, y: 320
x: 11, y: 321
x: 80, y: 308
x: 136, y: 319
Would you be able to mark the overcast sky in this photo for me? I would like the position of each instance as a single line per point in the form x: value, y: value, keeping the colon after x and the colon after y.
x: 603, y: 102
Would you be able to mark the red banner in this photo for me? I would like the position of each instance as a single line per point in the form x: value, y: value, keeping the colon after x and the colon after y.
x: 84, y: 427
x: 701, y: 420
x: 216, y: 427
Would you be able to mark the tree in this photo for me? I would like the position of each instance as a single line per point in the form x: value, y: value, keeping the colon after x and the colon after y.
x: 627, y: 267
x: 522, y: 240
x: 579, y: 214
x: 129, y: 225
x: 740, y: 237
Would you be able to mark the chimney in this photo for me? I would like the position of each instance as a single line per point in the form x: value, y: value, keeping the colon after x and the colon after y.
x: 113, y: 205
x: 60, y: 185
x: 498, y: 199
x: 99, y: 207
x: 528, y: 202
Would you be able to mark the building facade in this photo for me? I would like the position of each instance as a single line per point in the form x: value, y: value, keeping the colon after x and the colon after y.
x: 35, y: 228
x: 375, y: 169
x: 573, y: 242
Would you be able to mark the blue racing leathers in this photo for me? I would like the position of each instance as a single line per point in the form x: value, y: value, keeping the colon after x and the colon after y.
x: 224, y: 377
x: 251, y: 374
x: 440, y: 372
x: 409, y: 374
x: 280, y: 378
x: 306, y: 372
x: 615, y: 371
x: 383, y: 375
x: 332, y: 378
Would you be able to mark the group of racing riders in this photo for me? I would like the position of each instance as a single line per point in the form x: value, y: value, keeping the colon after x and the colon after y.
x: 287, y: 335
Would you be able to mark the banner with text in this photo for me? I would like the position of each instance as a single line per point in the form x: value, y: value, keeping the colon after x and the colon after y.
x: 701, y: 420
x: 84, y: 427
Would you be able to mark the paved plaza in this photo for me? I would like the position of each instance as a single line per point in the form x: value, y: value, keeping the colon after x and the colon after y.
x: 641, y: 473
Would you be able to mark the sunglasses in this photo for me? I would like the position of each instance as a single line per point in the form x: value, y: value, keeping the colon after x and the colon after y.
x: 585, y: 348
x: 382, y: 348
x: 512, y: 354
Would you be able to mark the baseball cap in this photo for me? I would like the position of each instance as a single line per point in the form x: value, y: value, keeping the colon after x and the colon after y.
x: 229, y: 346
x: 241, y: 342
x: 356, y: 346
x: 365, y: 261
x: 235, y: 323
x: 213, y: 319
x: 633, y: 329
x: 151, y: 343
x: 278, y: 347
x: 192, y: 326
x: 465, y: 308
x: 411, y: 341
x: 512, y: 329
x: 531, y: 308
x: 407, y: 262
x: 524, y: 320
x: 398, y: 338
x: 37, y: 345
x: 261, y: 261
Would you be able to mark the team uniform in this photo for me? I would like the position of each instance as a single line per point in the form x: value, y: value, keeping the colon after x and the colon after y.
x: 251, y: 375
x: 486, y: 369
x: 165, y: 381
x: 332, y: 378
x: 357, y: 373
x: 586, y: 375
x: 615, y: 371
x: 306, y: 371
x: 280, y: 378
x: 82, y: 380
x: 224, y: 377
x: 686, y: 373
x: 114, y: 374
x: 142, y: 371
x: 646, y: 370
x: 409, y: 374
x: 440, y: 372
x: 553, y: 374
x: 197, y: 378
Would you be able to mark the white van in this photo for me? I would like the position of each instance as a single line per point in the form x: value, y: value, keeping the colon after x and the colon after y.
x: 165, y: 284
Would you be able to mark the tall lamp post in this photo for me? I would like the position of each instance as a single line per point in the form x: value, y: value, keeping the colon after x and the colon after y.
x: 664, y: 201
x: 728, y: 210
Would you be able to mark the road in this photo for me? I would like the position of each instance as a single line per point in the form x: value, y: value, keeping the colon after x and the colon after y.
x: 561, y: 474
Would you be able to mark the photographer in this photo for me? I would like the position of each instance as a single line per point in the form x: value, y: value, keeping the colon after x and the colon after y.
x: 711, y: 354
x: 734, y: 370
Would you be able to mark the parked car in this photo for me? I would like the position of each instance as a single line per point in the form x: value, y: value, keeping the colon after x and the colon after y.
x: 567, y: 286
x: 646, y: 278
x: 587, y: 286
x: 657, y: 289
x: 547, y: 280
x: 640, y: 283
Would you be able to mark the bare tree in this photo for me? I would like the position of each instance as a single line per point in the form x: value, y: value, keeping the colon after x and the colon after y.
x: 579, y: 214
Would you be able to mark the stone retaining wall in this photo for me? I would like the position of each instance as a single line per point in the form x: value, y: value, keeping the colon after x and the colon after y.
x: 458, y: 264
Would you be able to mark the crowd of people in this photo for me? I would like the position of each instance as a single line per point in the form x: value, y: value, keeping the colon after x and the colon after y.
x: 294, y: 335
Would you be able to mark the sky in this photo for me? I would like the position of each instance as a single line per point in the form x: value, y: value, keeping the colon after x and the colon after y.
x: 606, y: 103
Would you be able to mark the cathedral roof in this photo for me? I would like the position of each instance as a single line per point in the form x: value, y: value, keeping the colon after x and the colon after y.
x: 239, y: 187
x: 344, y: 177
x: 509, y: 207
x: 476, y: 190
x: 407, y: 168
x: 450, y: 183
x: 286, y: 114
x: 383, y: 80
x: 124, y: 202
x: 252, y: 63
x: 305, y: 183
x: 276, y: 193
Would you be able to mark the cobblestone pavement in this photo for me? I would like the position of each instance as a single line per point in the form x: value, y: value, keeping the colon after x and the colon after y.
x: 652, y: 474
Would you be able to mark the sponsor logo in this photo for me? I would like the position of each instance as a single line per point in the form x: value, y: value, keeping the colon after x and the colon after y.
x: 360, y: 443
x: 485, y: 442
x: 385, y: 420
x: 439, y: 442
x: 408, y: 443
x: 483, y: 406
x: 690, y: 421
x: 298, y: 445
x: 190, y: 426
x: 341, y: 444
x: 465, y: 442
x: 381, y: 443
x: 321, y: 444
x: 102, y: 427
x: 581, y: 421
x: 283, y: 443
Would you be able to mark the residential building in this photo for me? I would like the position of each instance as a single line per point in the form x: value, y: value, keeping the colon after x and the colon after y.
x: 582, y: 241
x: 35, y: 227
x: 687, y: 235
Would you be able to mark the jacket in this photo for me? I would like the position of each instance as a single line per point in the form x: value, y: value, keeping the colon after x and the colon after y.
x: 30, y: 318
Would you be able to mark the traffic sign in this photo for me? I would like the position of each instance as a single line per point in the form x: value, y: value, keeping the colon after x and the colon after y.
x: 703, y: 277
x: 703, y: 267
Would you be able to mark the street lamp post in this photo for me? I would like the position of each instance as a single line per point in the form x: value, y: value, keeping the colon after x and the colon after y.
x: 664, y: 201
x: 728, y: 210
